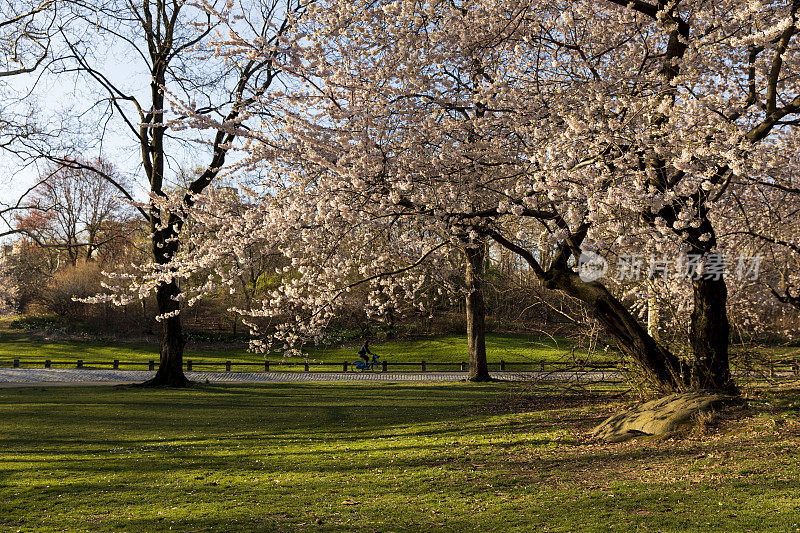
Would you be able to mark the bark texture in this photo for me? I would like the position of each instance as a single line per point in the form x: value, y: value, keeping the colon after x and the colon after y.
x: 170, y: 368
x: 709, y: 333
x: 476, y: 313
x: 663, y: 369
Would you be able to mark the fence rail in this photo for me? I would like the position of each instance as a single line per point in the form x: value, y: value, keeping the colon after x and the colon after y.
x: 768, y: 367
x: 423, y: 366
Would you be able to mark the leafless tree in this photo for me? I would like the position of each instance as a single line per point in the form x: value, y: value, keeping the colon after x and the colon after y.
x: 26, y: 27
x: 75, y: 211
x: 164, y: 45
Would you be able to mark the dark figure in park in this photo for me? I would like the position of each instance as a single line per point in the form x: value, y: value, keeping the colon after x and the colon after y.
x: 364, y: 350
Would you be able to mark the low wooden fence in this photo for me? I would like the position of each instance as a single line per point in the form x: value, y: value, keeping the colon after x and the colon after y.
x: 309, y: 366
x: 769, y: 368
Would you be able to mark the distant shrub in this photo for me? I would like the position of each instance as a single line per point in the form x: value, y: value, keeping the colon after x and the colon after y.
x: 39, y: 322
x: 79, y: 281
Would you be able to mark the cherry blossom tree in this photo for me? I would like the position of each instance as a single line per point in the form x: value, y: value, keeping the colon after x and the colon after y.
x: 684, y: 142
x: 457, y: 192
x: 606, y: 125
x: 765, y: 220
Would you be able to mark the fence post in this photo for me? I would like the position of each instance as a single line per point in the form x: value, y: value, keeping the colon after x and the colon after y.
x: 151, y: 365
x: 424, y: 367
x: 266, y: 365
x: 116, y: 364
x: 188, y: 365
x: 502, y: 365
x: 80, y: 363
x: 227, y: 366
x: 384, y: 365
x: 47, y: 363
x: 796, y: 368
x: 344, y: 366
x: 580, y: 365
x: 542, y: 363
x: 16, y: 363
x: 306, y: 366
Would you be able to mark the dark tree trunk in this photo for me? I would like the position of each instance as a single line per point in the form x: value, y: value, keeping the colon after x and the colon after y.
x: 663, y: 370
x: 660, y: 366
x: 709, y: 328
x: 476, y: 314
x: 709, y: 336
x: 170, y: 368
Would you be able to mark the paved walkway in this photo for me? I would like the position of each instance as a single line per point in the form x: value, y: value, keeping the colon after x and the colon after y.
x: 34, y: 377
x: 15, y: 377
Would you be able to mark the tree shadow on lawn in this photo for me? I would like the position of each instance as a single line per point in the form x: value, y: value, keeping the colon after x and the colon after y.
x: 524, y: 456
x: 264, y: 506
x: 315, y: 411
x: 274, y: 413
x: 213, y: 458
x: 529, y: 460
x: 60, y: 417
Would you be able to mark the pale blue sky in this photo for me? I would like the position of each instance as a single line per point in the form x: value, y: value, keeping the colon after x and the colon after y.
x: 69, y: 98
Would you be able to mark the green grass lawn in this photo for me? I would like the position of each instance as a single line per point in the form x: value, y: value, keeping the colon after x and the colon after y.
x: 20, y: 345
x: 453, y: 349
x: 15, y: 344
x: 380, y: 457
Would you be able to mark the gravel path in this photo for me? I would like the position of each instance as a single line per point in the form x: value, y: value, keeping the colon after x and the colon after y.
x: 15, y: 377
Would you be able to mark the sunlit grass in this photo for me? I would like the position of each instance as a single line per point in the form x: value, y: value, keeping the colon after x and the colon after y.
x: 378, y: 457
x: 453, y: 349
x: 24, y: 346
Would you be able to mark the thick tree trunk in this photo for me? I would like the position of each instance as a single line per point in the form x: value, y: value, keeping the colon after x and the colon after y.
x: 476, y: 314
x: 170, y: 368
x: 709, y: 333
x: 661, y: 368
x: 709, y: 328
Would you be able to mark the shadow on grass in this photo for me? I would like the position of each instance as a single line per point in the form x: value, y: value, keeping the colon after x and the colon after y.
x: 278, y: 456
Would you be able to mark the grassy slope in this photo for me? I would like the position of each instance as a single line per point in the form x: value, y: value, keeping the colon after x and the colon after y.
x: 450, y: 348
x: 455, y: 457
